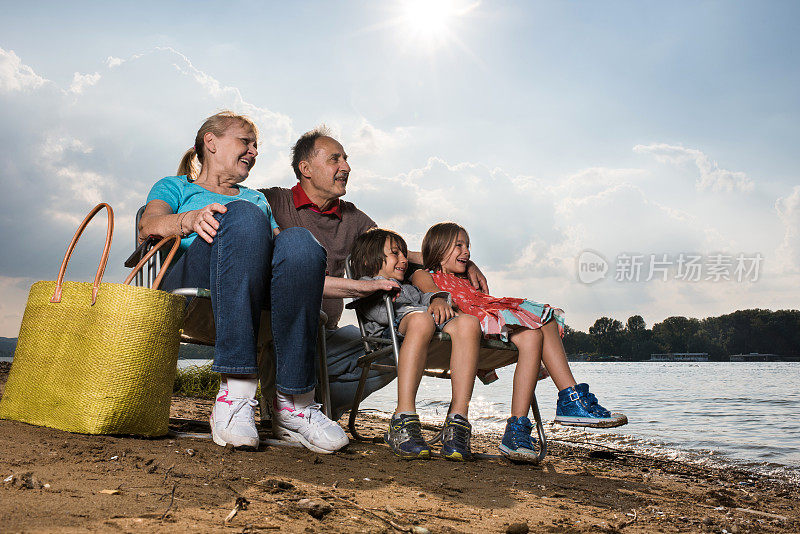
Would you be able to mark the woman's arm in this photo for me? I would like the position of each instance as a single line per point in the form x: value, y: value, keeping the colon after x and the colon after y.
x: 158, y: 219
x: 337, y: 288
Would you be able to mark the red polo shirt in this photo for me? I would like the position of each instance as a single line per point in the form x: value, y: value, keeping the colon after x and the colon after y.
x: 301, y: 200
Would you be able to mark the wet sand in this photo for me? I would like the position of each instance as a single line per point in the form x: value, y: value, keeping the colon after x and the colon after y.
x: 70, y: 482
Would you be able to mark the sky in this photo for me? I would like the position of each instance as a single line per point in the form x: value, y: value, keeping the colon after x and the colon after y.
x: 574, y: 140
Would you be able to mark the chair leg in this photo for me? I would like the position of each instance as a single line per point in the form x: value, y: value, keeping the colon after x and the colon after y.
x: 266, y: 367
x: 539, y: 430
x: 324, y: 379
x: 362, y: 382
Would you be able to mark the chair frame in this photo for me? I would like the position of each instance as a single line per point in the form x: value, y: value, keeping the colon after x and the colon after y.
x: 264, y: 346
x: 375, y: 348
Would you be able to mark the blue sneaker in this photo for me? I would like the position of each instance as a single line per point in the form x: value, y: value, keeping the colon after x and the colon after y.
x: 405, y: 437
x: 517, y: 444
x: 577, y: 407
x: 456, y: 434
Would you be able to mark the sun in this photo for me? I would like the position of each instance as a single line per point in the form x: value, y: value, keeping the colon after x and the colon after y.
x: 431, y: 22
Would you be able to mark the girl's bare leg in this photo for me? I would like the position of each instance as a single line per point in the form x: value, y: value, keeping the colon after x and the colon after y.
x: 465, y: 333
x: 554, y: 357
x: 418, y: 330
x: 529, y: 344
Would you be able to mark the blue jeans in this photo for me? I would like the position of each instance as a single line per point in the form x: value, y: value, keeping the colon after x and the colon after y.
x: 247, y: 269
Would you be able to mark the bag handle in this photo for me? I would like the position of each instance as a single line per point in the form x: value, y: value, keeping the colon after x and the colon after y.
x: 167, y: 260
x: 103, y: 258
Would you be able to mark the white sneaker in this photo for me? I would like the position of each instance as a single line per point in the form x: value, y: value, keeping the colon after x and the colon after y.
x: 233, y: 421
x: 310, y: 427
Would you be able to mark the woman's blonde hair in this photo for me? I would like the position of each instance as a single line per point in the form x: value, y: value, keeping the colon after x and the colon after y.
x: 216, y: 124
x: 438, y: 241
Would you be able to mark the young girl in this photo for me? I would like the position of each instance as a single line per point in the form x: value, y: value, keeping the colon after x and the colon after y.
x: 536, y: 329
x: 383, y: 254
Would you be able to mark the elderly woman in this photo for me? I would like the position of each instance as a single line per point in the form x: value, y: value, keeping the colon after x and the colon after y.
x: 232, y: 245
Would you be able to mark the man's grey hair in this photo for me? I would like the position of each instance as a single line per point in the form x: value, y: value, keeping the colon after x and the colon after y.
x: 303, y: 149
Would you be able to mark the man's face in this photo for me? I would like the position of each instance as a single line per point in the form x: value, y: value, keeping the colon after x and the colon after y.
x: 327, y: 169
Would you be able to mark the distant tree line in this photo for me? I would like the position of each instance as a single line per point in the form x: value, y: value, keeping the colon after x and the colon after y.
x: 740, y: 332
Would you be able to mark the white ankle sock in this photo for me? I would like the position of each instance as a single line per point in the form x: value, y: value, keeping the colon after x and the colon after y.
x: 241, y: 388
x: 294, y: 402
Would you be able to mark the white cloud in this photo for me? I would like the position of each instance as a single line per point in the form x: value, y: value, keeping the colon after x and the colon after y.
x: 712, y: 177
x: 112, y: 62
x: 82, y: 81
x: 369, y: 140
x: 277, y: 127
x: 16, y: 76
x: 788, y: 253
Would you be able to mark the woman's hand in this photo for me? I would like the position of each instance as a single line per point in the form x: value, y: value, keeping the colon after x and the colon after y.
x: 202, y: 221
x: 477, y: 279
x: 441, y: 310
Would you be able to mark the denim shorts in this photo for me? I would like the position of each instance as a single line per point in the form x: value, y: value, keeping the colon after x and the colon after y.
x: 387, y: 334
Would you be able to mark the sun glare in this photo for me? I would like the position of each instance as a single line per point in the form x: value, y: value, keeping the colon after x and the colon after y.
x: 430, y: 22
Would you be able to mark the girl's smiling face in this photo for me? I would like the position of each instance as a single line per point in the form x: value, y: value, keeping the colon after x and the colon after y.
x: 395, y: 262
x: 457, y: 258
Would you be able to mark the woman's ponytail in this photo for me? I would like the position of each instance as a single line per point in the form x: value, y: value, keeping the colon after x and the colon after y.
x: 187, y: 167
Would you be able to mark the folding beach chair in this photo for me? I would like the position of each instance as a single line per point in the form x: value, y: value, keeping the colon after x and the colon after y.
x: 198, y: 328
x: 493, y: 355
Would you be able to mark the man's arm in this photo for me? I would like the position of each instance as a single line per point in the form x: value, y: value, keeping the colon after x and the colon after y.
x: 477, y: 279
x: 474, y: 274
x: 414, y: 257
x: 338, y: 288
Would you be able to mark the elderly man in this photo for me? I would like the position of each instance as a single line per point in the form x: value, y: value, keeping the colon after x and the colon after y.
x: 320, y: 164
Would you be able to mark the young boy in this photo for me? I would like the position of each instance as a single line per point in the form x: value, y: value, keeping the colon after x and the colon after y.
x: 383, y: 254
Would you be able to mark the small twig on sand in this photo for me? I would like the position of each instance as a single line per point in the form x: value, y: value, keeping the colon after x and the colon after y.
x: 370, y: 512
x: 171, y: 500
x: 241, y: 504
x: 440, y: 516
x: 166, y: 473
x: 764, y: 514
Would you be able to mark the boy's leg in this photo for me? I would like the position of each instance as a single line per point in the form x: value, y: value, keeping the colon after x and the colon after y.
x: 417, y: 329
x: 465, y: 334
x: 405, y: 432
x: 529, y: 345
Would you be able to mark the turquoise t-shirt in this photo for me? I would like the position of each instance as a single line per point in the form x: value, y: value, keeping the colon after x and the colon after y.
x: 183, y: 195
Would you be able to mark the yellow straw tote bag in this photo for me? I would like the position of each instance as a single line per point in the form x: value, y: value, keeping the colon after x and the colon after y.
x: 96, y: 358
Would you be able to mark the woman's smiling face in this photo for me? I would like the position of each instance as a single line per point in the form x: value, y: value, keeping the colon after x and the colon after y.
x: 236, y: 150
x: 456, y: 260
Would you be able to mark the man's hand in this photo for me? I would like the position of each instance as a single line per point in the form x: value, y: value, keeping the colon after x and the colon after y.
x: 440, y: 310
x: 477, y: 279
x: 371, y: 286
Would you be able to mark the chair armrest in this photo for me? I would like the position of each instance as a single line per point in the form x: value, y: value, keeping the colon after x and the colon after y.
x: 356, y: 304
x: 140, y: 251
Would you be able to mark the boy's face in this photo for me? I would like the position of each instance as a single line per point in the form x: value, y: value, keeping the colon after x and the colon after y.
x: 395, y: 262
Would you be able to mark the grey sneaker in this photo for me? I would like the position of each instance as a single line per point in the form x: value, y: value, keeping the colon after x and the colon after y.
x: 405, y: 437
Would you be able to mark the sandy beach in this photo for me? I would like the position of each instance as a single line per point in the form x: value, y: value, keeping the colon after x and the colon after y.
x: 56, y: 481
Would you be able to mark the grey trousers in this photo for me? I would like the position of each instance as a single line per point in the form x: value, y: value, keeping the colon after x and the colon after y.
x: 344, y: 348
